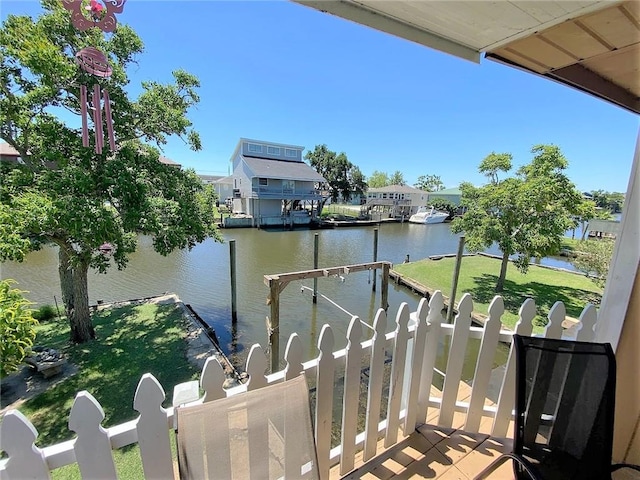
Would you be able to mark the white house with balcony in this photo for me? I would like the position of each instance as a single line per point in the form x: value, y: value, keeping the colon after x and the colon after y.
x: 273, y: 186
x: 396, y: 200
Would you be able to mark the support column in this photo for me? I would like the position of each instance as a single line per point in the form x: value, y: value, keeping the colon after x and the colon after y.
x: 315, y: 266
x: 273, y: 323
x: 232, y: 268
x: 384, y: 297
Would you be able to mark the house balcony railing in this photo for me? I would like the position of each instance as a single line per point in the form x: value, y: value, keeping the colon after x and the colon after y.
x: 401, y: 387
x: 286, y: 193
x: 388, y: 201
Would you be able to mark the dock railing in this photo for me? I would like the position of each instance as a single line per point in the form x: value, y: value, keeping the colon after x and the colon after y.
x: 395, y: 396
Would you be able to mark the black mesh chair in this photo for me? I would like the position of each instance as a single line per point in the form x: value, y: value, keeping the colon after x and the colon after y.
x: 565, y: 401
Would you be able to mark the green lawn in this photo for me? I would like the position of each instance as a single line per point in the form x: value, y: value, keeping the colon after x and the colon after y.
x: 130, y: 341
x: 478, y: 276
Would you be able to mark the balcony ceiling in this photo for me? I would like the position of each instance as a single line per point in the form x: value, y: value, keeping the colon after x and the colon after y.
x: 590, y: 45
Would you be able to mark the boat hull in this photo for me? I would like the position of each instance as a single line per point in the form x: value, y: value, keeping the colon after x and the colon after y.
x: 428, y: 217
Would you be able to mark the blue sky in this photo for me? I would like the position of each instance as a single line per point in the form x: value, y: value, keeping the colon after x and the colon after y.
x: 281, y: 72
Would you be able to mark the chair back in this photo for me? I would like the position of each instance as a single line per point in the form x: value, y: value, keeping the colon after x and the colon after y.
x: 565, y: 400
x: 260, y: 434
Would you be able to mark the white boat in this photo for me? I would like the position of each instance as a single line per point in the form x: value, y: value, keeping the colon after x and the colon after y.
x: 428, y: 215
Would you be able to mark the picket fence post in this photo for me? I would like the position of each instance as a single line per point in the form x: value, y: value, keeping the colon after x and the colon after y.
x: 152, y: 429
x: 484, y: 365
x: 396, y: 381
x: 351, y: 395
x: 374, y: 395
x: 92, y: 446
x: 455, y: 361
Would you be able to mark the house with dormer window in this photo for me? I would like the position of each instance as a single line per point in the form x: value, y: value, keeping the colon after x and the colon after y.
x: 273, y: 186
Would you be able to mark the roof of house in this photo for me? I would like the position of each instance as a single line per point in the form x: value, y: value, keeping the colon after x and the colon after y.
x: 395, y: 189
x: 210, y: 178
x: 447, y: 191
x: 224, y: 180
x: 266, y: 168
x: 7, y: 150
x: 168, y: 161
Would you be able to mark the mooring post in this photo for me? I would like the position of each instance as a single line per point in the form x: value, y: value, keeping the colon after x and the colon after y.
x: 375, y: 256
x: 315, y: 266
x: 232, y: 267
x: 384, y: 297
x: 273, y: 323
x: 454, y: 282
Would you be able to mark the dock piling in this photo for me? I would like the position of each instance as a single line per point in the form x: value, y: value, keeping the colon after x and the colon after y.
x: 315, y: 266
x: 454, y: 283
x: 375, y: 256
x: 232, y: 267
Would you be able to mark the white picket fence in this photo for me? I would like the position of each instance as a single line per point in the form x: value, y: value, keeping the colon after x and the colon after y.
x: 413, y: 347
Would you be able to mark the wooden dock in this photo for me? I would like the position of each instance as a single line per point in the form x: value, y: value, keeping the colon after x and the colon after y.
x: 426, y: 292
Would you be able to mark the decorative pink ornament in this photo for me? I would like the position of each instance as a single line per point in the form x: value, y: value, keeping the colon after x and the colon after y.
x: 106, y: 249
x: 101, y: 16
x: 93, y: 61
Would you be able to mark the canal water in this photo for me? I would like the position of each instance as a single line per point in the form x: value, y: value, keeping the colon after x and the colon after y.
x: 200, y: 277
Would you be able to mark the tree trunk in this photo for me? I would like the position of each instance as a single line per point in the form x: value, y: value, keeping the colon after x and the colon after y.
x: 75, y: 296
x: 503, y: 271
x: 80, y: 318
x: 66, y: 280
x: 585, y: 225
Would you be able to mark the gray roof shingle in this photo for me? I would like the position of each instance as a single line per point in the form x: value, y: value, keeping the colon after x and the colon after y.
x: 265, y: 168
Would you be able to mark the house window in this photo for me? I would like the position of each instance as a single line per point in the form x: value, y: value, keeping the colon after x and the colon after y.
x: 263, y: 181
x: 273, y: 150
x: 288, y: 186
x: 288, y: 152
x: 253, y: 148
x: 384, y: 195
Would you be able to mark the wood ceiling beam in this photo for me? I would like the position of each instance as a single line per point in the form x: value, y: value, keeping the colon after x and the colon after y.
x: 589, y: 81
x: 583, y: 79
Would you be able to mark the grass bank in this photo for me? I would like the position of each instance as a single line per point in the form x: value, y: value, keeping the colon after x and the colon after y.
x: 131, y: 341
x: 479, y: 275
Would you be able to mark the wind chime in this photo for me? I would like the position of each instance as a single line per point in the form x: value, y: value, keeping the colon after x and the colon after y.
x: 85, y: 15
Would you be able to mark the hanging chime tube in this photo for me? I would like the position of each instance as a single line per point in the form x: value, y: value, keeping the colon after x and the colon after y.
x: 109, y: 120
x: 97, y: 118
x: 83, y: 112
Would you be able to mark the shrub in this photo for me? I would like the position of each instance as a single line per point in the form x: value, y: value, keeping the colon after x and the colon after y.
x: 44, y: 313
x: 444, y: 205
x: 593, y: 258
x: 17, y: 330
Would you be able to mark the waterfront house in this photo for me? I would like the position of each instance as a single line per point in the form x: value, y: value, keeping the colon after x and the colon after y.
x: 590, y: 45
x: 9, y: 154
x: 272, y: 185
x: 395, y: 200
x: 223, y: 186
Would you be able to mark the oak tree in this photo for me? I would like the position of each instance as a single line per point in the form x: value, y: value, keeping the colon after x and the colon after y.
x: 397, y: 178
x: 525, y: 215
x: 91, y: 206
x: 378, y: 179
x: 429, y: 183
x: 345, y: 180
